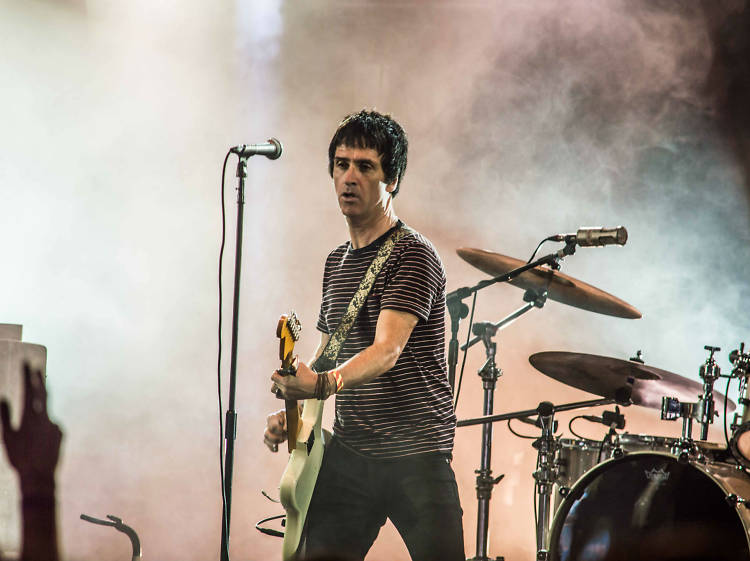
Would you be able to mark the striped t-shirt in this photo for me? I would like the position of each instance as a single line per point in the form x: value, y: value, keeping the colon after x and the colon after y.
x: 408, y: 409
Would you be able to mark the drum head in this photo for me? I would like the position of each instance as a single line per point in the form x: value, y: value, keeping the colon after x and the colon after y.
x: 648, y: 506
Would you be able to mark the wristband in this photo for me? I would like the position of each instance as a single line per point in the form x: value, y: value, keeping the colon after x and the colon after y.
x: 339, y: 380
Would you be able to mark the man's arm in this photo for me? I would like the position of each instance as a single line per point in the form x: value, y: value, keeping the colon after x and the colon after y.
x: 392, y: 332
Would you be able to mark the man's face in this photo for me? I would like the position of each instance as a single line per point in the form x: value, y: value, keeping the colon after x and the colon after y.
x: 360, y: 183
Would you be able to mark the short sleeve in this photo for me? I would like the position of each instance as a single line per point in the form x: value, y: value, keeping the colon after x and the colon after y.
x: 415, y: 280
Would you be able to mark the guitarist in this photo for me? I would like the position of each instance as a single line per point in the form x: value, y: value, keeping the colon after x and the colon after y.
x: 394, y: 425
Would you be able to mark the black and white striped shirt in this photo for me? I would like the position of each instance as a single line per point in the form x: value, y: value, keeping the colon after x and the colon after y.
x: 408, y: 409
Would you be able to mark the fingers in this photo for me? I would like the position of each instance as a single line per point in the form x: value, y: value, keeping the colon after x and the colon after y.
x: 35, y: 393
x: 279, y: 385
x: 275, y: 432
x: 272, y: 445
x: 28, y: 389
x: 276, y: 423
x: 40, y: 391
x: 5, y: 416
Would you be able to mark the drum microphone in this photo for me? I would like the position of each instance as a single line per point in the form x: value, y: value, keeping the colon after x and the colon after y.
x: 608, y: 418
x: 594, y: 237
x: 271, y: 149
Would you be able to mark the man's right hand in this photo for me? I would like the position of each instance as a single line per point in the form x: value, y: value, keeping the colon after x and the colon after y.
x: 275, y: 432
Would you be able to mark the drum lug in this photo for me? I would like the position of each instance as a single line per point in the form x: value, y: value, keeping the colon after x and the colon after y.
x: 734, y: 500
x: 618, y: 452
x: 564, y: 491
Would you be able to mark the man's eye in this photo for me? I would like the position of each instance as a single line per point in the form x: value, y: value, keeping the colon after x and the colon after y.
x: 341, y: 164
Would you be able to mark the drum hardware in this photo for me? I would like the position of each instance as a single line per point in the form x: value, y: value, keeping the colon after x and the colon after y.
x: 709, y: 373
x: 613, y: 377
x: 489, y: 373
x: 671, y: 410
x: 539, y: 283
x: 545, y: 473
x: 512, y: 269
x: 740, y: 441
x: 544, y: 476
x: 734, y: 500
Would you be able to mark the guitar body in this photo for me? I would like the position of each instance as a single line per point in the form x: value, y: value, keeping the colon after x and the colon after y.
x: 306, y: 445
x: 298, y: 481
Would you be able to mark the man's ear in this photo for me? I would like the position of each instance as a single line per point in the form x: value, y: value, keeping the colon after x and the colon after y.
x: 391, y: 186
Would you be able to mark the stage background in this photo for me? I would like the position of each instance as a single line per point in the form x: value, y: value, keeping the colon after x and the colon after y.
x: 525, y: 119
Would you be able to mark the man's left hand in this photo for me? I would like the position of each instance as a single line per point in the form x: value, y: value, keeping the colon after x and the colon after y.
x: 299, y: 386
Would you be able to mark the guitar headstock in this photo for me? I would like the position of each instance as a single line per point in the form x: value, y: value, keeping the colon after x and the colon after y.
x: 287, y: 330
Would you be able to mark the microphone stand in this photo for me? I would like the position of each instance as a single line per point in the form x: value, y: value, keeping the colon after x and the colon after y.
x: 458, y: 310
x: 230, y: 424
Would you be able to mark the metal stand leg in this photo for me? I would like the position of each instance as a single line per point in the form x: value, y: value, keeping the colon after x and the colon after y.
x: 545, y: 477
x: 485, y: 482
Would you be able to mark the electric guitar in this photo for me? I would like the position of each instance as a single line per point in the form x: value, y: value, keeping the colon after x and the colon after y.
x: 306, y: 444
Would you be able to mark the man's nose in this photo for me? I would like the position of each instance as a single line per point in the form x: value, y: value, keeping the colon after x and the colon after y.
x: 350, y: 175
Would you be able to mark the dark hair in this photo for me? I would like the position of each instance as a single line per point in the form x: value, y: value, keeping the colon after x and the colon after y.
x: 370, y: 129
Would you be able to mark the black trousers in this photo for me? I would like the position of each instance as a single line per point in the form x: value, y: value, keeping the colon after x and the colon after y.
x: 354, y: 495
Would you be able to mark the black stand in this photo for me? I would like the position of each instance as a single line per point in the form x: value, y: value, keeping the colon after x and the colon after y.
x: 485, y: 482
x: 230, y: 423
x: 489, y: 373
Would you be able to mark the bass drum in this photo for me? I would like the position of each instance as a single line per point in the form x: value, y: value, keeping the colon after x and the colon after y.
x: 651, y: 507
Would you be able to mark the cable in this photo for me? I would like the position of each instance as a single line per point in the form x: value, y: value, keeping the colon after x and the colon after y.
x: 218, y: 364
x: 570, y: 428
x: 270, y: 531
x: 466, y: 350
x: 537, y: 248
x: 518, y: 434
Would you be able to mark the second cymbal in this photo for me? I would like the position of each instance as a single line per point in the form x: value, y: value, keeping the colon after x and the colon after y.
x: 605, y: 376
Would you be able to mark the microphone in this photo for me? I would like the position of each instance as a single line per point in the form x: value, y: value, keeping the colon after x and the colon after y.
x: 592, y: 237
x: 608, y: 418
x: 271, y: 149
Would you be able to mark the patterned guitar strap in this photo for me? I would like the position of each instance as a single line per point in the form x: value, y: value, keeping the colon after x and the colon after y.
x: 327, y: 359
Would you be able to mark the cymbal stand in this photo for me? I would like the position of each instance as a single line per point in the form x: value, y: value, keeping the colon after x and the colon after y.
x: 709, y: 372
x: 458, y: 310
x: 544, y: 476
x: 532, y: 298
x: 485, y: 482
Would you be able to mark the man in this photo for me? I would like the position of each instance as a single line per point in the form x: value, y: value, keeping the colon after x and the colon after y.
x: 394, y: 426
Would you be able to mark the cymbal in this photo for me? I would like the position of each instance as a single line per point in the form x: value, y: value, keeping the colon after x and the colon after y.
x: 604, y: 376
x: 559, y: 287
